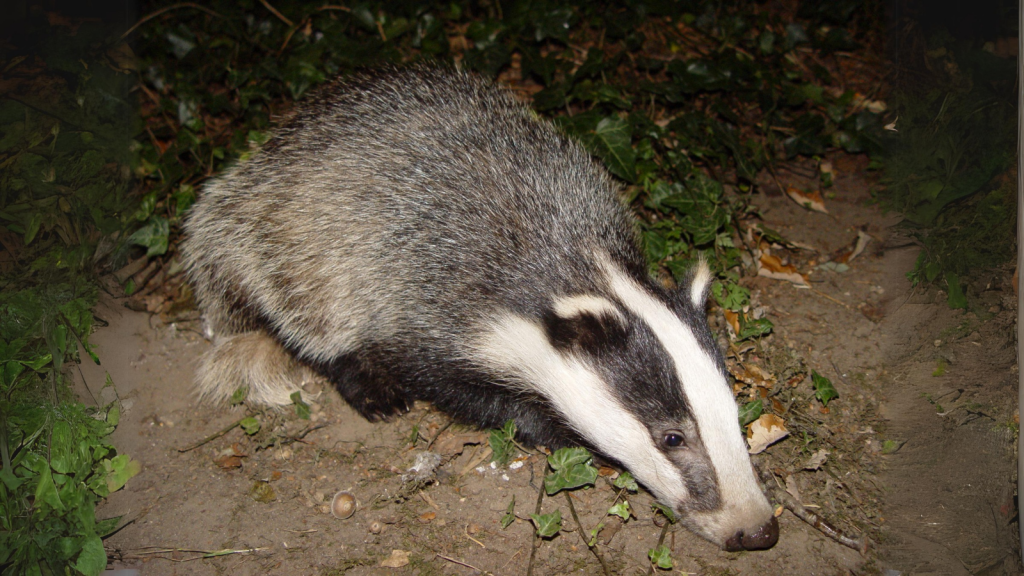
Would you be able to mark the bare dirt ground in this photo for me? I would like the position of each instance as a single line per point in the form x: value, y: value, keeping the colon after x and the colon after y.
x: 919, y: 442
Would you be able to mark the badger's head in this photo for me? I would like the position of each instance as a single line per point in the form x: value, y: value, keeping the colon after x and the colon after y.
x: 635, y: 371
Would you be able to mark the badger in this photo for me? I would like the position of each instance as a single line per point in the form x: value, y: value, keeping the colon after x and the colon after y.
x: 417, y: 234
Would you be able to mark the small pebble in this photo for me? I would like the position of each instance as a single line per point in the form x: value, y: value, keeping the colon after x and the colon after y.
x: 938, y: 343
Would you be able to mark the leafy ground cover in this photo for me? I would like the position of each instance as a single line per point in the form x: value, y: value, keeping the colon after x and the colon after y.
x: 66, y: 117
x: 946, y: 168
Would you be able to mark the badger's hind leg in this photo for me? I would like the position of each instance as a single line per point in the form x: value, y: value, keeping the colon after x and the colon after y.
x: 253, y: 360
x: 369, y: 381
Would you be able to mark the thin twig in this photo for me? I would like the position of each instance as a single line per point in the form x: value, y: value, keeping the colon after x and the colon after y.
x: 817, y: 522
x: 840, y: 302
x: 439, y: 432
x: 213, y: 436
x: 583, y: 535
x: 274, y: 11
x: 454, y: 561
x: 288, y: 38
x: 152, y: 15
x: 536, y: 538
x: 298, y: 437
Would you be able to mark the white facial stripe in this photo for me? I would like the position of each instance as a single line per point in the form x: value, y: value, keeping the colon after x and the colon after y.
x: 572, y: 306
x: 520, y: 349
x: 701, y: 279
x: 709, y: 398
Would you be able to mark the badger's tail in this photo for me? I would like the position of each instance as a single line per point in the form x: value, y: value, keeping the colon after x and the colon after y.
x: 253, y: 361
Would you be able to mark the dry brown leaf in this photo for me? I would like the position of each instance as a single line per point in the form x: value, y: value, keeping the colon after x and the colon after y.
x: 853, y: 249
x: 772, y: 267
x: 816, y: 460
x: 452, y: 444
x: 792, y: 489
x: 765, y: 431
x: 873, y: 313
x: 733, y: 319
x: 810, y: 200
x: 230, y: 457
x: 752, y: 374
x: 397, y: 559
x: 228, y: 462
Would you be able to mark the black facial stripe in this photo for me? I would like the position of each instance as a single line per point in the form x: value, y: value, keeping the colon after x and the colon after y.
x: 639, y: 371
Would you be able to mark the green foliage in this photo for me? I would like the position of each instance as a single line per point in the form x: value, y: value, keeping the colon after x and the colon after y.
x: 665, y: 511
x: 65, y: 169
x: 548, y: 524
x: 956, y: 133
x: 250, y: 425
x: 510, y: 514
x: 64, y: 158
x: 502, y: 442
x: 626, y: 481
x: 47, y: 503
x: 734, y: 99
x: 572, y: 468
x: 621, y: 510
x: 955, y: 297
x: 751, y: 327
x: 301, y: 408
x: 661, y: 557
x: 824, y: 391
x: 751, y: 411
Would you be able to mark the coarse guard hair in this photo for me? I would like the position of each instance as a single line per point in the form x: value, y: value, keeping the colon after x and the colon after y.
x: 417, y: 234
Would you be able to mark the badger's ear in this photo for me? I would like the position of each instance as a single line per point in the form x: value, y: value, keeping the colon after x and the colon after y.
x: 700, y: 283
x: 584, y: 323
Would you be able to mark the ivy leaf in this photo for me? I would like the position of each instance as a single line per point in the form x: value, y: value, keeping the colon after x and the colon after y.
x: 500, y: 441
x: 668, y: 512
x: 613, y: 137
x: 626, y: 480
x: 661, y: 557
x: 301, y: 408
x: 621, y: 510
x: 250, y: 425
x: 120, y: 469
x: 153, y: 236
x: 572, y: 469
x: 568, y: 457
x: 239, y: 395
x: 92, y: 560
x: 510, y: 515
x: 548, y: 524
x: 823, y: 388
x: 750, y: 327
x: 750, y: 411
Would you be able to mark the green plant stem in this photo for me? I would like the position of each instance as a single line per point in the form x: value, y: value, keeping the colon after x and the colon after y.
x: 213, y: 436
x: 661, y: 541
x: 5, y: 455
x: 583, y: 535
x: 536, y: 539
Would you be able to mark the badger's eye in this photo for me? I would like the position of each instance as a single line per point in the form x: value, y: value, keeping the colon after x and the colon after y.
x: 673, y: 439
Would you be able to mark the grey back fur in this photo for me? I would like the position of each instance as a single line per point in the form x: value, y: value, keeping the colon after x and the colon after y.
x: 404, y: 204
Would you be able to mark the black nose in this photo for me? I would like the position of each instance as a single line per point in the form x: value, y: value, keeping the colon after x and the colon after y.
x: 763, y: 538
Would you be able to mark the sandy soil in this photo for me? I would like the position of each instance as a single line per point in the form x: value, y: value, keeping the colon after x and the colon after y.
x: 942, y: 503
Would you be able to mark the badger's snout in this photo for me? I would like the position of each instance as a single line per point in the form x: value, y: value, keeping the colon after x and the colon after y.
x: 763, y: 538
